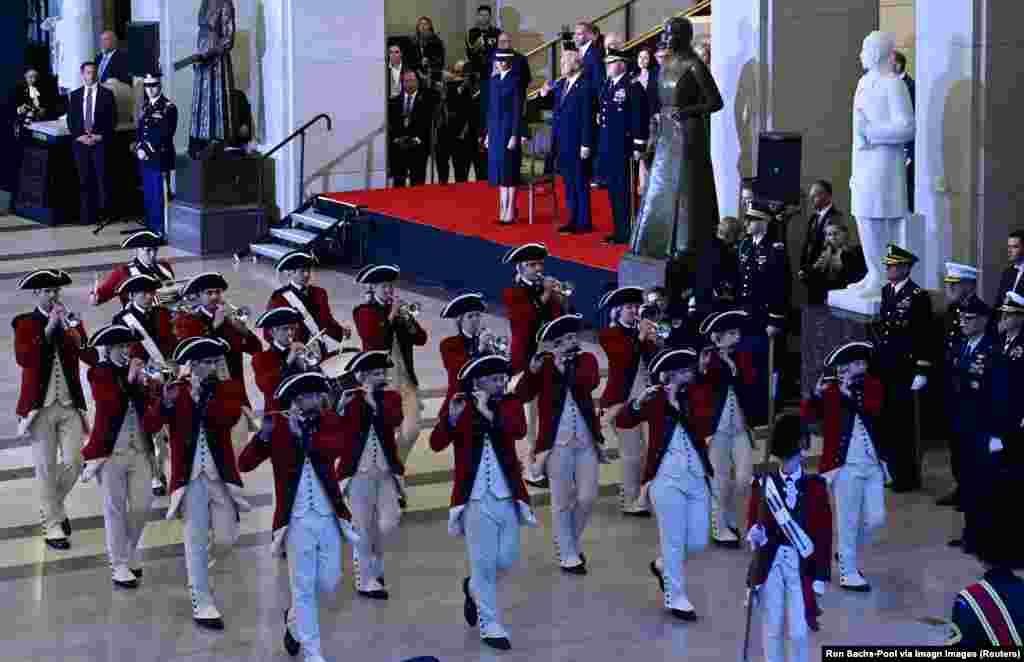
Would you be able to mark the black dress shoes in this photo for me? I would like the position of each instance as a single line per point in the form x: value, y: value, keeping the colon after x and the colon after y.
x: 540, y: 484
x: 60, y: 544
x: 684, y: 615
x: 497, y: 643
x: 137, y: 572
x: 580, y: 569
x: 374, y: 595
x: 291, y: 646
x: 469, y: 611
x: 657, y: 574
x: 955, y: 542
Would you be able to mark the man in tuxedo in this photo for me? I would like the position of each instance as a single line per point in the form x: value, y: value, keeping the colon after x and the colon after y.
x: 92, y: 113
x: 824, y: 214
x: 396, y: 69
x: 1012, y: 279
x: 901, y: 71
x: 410, y: 118
x: 111, y: 61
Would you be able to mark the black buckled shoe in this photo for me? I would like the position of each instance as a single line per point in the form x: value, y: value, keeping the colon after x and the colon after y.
x: 657, y: 574
x: 469, y: 610
x: 60, y: 544
x: 497, y: 643
x: 580, y: 569
x: 684, y: 615
x: 291, y: 646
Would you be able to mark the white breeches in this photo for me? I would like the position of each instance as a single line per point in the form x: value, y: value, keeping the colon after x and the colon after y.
x: 783, y: 599
x: 56, y: 429
x: 373, y: 500
x: 492, y: 540
x: 681, y: 506
x: 127, y: 498
x: 729, y: 453
x: 314, y: 566
x: 573, y: 473
x: 859, y: 491
x: 207, y: 503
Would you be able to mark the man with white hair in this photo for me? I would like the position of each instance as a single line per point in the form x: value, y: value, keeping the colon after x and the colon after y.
x: 112, y: 61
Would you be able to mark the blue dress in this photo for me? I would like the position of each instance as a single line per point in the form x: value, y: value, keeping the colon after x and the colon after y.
x: 504, y: 120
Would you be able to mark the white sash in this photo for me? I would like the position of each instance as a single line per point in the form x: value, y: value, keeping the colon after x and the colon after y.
x: 792, y: 530
x: 147, y: 341
x: 295, y: 302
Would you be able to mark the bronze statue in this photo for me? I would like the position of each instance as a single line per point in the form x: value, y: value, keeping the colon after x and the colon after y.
x: 680, y: 210
x: 214, y: 81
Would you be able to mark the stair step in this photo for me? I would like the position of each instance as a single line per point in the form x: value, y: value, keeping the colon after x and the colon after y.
x: 293, y: 235
x: 312, y: 219
x: 270, y: 251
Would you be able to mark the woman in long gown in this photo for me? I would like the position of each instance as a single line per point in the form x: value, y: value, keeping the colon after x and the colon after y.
x: 680, y: 209
x: 504, y: 123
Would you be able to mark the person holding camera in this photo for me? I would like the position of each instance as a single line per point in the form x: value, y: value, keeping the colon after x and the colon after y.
x: 838, y: 265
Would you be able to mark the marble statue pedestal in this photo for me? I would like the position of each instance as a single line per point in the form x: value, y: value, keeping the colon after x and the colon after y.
x: 854, y: 301
x: 822, y: 329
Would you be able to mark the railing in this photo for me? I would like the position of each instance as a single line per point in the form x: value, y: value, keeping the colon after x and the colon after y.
x: 654, y: 32
x: 301, y: 134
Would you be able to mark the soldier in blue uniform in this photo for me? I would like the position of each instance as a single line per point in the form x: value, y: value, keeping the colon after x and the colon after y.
x: 154, y: 148
x: 623, y: 137
x: 1006, y: 418
x: 904, y: 359
x: 969, y: 392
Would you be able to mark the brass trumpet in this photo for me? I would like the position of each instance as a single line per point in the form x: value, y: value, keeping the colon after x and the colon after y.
x: 161, y: 372
x: 311, y: 354
x: 239, y: 313
x: 562, y: 288
x: 491, y: 343
x: 410, y: 309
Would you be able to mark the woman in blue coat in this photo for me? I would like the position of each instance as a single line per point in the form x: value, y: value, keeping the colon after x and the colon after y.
x: 504, y: 123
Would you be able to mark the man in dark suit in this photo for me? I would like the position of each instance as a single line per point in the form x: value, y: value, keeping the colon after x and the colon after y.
x: 824, y: 214
x: 591, y: 56
x: 395, y: 70
x: 573, y: 135
x: 92, y: 113
x: 111, y: 61
x: 410, y: 117
x: 459, y: 140
x: 1012, y: 279
x: 901, y: 71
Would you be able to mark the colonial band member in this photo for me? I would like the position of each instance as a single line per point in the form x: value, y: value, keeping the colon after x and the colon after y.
x: 205, y: 484
x: 732, y: 384
x: 489, y: 499
x: 119, y: 452
x: 388, y: 324
x: 311, y: 301
x: 676, y: 472
x: 854, y: 459
x: 791, y: 533
x: 568, y: 447
x: 146, y: 244
x: 285, y: 357
x: 629, y: 344
x: 369, y: 467
x: 154, y: 147
x: 302, y: 444
x: 49, y: 342
x: 458, y: 350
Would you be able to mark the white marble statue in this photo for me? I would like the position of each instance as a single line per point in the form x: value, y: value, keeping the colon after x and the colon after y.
x: 883, y: 122
x: 75, y: 41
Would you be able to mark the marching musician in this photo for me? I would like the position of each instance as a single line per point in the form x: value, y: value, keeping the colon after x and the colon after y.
x: 311, y: 301
x: 531, y: 302
x: 732, y: 385
x: 458, y: 350
x: 284, y: 357
x: 791, y: 533
x: 489, y: 499
x: 119, y: 451
x: 568, y: 447
x: 146, y: 244
x: 629, y: 343
x: 854, y: 458
x: 49, y: 342
x: 387, y: 324
x: 677, y: 470
x: 302, y: 444
x: 205, y: 484
x: 156, y: 343
x: 370, y: 467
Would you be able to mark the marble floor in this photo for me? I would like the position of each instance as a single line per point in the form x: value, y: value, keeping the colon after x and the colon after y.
x: 61, y: 606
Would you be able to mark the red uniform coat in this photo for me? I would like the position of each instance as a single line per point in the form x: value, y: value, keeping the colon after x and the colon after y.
x: 271, y: 369
x: 315, y: 300
x: 112, y: 393
x: 107, y: 289
x: 33, y: 352
x: 526, y: 314
x: 745, y: 384
x: 190, y: 325
x: 656, y: 413
x: 456, y: 351
x: 624, y: 353
x: 814, y: 514
x: 159, y: 326
x: 222, y: 413
x: 547, y: 386
x: 467, y: 437
x: 287, y: 459
x: 837, y: 412
x: 356, y: 421
x: 379, y: 334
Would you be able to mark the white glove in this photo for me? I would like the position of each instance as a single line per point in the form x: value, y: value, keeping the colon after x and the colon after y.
x: 920, y: 382
x: 757, y: 537
x: 818, y: 586
x: 995, y: 444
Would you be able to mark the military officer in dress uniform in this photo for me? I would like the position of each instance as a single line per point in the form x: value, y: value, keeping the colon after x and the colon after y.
x: 731, y: 389
x: 310, y: 517
x: 961, y: 285
x: 622, y: 118
x: 119, y: 452
x: 471, y: 339
x: 531, y: 302
x: 629, y: 343
x: 49, y: 342
x: 155, y: 345
x: 677, y: 470
x: 284, y: 357
x: 386, y: 323
x: 369, y: 467
x: 1007, y: 376
x: 569, y: 443
x: 206, y: 488
x: 489, y: 499
x: 311, y: 301
x: 854, y: 456
x: 146, y: 244
x: 154, y: 147
x: 904, y: 359
x: 481, y: 40
x: 791, y: 533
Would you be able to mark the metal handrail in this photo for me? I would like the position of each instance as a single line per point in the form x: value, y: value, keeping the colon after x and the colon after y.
x: 551, y: 42
x: 302, y: 129
x: 301, y: 134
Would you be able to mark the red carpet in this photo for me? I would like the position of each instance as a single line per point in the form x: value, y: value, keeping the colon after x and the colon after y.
x: 472, y: 209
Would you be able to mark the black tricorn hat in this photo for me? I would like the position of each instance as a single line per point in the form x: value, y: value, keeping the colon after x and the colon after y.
x: 114, y: 334
x: 787, y: 436
x: 305, y: 382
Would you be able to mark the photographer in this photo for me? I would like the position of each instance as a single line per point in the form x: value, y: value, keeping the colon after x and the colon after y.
x: 838, y: 264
